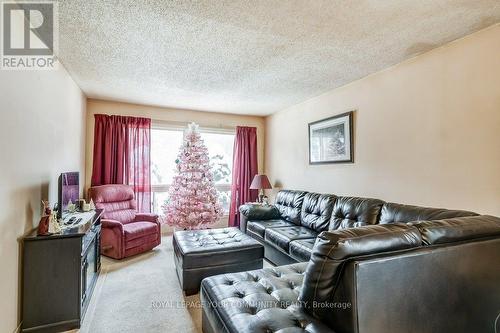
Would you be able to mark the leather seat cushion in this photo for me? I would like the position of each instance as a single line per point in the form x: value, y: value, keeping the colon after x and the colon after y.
x: 135, y: 230
x: 394, y: 212
x: 259, y: 227
x: 213, y: 247
x: 301, y: 249
x: 263, y: 300
x: 281, y: 237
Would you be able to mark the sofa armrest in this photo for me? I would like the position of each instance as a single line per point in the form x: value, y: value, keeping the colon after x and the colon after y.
x: 148, y: 217
x: 259, y: 212
x: 333, y: 249
x: 249, y: 212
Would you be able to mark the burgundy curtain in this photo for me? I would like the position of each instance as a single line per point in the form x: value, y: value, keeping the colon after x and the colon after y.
x: 244, y: 169
x: 122, y: 155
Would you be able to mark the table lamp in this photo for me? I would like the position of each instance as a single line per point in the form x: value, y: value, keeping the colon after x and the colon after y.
x: 260, y: 182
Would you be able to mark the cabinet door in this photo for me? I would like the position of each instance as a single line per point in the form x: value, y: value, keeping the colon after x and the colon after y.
x: 89, y: 273
x: 91, y: 266
x: 84, y: 281
x: 51, y: 278
x: 98, y: 247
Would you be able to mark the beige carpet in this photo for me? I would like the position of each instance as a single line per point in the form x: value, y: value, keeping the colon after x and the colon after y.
x: 142, y: 294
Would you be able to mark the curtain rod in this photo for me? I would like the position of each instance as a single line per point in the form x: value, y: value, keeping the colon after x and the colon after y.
x: 157, y: 123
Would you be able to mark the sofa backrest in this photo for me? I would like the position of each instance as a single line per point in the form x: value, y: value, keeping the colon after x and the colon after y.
x: 458, y: 229
x: 312, y: 209
x: 351, y: 212
x: 289, y: 203
x: 420, y: 259
x: 317, y: 211
x: 394, y: 212
x: 117, y: 200
x: 418, y: 289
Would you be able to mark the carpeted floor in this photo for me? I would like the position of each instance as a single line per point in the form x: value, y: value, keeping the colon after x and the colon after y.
x: 142, y: 294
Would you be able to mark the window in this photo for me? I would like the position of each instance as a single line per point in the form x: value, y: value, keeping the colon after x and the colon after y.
x: 165, y: 144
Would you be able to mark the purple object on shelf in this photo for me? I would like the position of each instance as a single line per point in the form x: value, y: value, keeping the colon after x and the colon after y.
x: 69, y: 189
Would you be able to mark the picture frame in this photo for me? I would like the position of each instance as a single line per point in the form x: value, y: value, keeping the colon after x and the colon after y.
x: 331, y: 140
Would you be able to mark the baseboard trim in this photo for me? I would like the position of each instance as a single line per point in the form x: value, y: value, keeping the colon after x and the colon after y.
x: 60, y: 326
x: 18, y: 328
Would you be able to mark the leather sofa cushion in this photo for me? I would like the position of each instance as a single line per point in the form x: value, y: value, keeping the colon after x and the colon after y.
x: 317, y: 211
x: 259, y: 227
x: 458, y: 229
x: 289, y: 203
x: 301, y: 249
x: 351, y: 212
x: 280, y: 238
x: 259, y: 212
x: 333, y: 249
x: 394, y: 212
x: 263, y: 300
x: 212, y: 247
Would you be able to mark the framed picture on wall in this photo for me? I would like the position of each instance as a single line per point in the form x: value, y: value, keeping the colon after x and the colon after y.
x: 331, y: 140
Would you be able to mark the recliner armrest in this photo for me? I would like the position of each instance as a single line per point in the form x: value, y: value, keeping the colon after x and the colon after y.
x: 107, y: 223
x: 112, y: 238
x: 259, y: 212
x: 148, y: 217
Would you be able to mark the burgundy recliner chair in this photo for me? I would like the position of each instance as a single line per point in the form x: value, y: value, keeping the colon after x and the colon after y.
x: 125, y: 232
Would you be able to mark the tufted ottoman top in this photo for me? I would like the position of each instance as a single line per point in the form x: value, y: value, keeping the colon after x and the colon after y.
x: 264, y: 300
x: 211, y: 247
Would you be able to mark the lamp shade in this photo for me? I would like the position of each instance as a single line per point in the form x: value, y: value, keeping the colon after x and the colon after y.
x: 260, y: 182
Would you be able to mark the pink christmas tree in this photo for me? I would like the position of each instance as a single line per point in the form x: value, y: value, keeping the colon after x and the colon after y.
x: 193, y: 201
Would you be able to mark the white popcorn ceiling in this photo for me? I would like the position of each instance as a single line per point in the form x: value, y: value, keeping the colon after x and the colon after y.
x: 249, y: 57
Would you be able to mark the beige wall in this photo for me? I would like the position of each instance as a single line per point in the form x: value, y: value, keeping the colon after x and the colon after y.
x: 204, y: 119
x: 427, y: 131
x: 43, y: 130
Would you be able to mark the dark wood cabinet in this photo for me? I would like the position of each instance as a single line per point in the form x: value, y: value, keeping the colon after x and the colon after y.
x: 59, y: 275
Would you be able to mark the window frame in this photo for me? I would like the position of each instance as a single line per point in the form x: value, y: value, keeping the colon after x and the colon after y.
x: 181, y: 126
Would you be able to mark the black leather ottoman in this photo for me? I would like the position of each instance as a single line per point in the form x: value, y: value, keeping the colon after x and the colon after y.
x: 264, y: 300
x: 202, y: 253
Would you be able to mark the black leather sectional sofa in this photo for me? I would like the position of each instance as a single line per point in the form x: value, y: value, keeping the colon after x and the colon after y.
x: 289, y: 228
x: 361, y: 265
